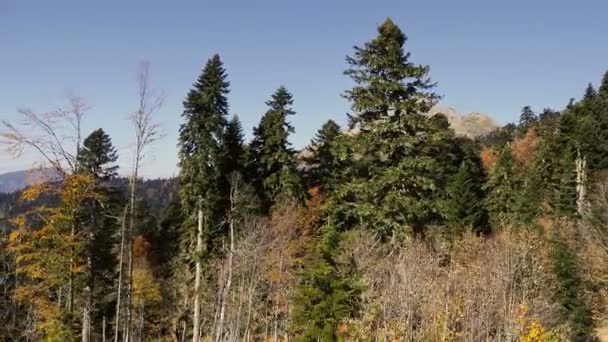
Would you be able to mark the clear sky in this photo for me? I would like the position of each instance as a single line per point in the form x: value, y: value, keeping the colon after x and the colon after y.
x: 488, y: 56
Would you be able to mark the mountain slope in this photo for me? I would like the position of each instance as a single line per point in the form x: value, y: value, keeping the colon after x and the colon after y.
x: 17, y: 180
x: 472, y: 124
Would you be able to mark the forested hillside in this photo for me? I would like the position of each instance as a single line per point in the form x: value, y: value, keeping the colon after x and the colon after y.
x: 394, y: 228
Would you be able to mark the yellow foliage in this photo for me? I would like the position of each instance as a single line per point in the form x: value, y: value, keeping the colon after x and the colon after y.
x: 50, y: 252
x: 146, y: 289
x: 532, y: 330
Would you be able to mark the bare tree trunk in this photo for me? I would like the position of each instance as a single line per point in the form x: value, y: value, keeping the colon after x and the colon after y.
x: 146, y: 132
x: 123, y: 228
x: 276, y: 305
x: 129, y: 239
x: 183, y: 337
x: 226, y: 289
x: 70, y: 303
x: 197, y: 278
x: 86, y: 316
x: 87, y: 292
x: 103, y: 329
x: 581, y: 180
x: 237, y: 325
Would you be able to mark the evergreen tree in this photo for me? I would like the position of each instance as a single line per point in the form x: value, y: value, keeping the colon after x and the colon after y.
x: 323, y: 159
x: 200, y: 148
x: 98, y: 155
x: 273, y: 161
x: 502, y: 187
x: 201, y: 179
x: 233, y: 147
x: 387, y: 83
x: 397, y: 165
x: 465, y: 208
x: 97, y: 159
x: 590, y: 93
x: 327, y: 294
x: 568, y: 293
x: 603, y: 90
x: 527, y: 117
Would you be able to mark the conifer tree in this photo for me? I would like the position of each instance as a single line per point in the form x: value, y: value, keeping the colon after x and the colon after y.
x: 322, y: 160
x: 573, y: 307
x: 273, y: 161
x: 324, y: 298
x: 233, y: 147
x: 590, y: 93
x: 387, y: 83
x: 527, y: 117
x: 465, y: 207
x: 97, y: 159
x: 200, y: 142
x: 502, y: 187
x: 603, y: 90
x: 400, y: 160
x: 98, y: 156
x: 393, y: 173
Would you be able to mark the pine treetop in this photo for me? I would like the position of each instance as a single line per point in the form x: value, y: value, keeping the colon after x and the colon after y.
x: 604, y: 85
x: 201, y: 136
x: 97, y: 156
x: 387, y: 83
x: 590, y: 93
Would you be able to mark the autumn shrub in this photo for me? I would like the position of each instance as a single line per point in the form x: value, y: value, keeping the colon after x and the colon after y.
x: 412, y: 293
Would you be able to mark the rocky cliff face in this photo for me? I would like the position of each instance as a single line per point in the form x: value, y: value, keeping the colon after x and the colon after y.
x: 471, y: 125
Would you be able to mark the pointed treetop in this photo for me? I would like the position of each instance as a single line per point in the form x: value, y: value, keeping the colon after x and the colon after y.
x: 98, y: 156
x: 212, y: 85
x: 527, y: 116
x: 604, y: 85
x: 328, y: 132
x: 387, y: 83
x: 281, y: 100
x: 389, y: 30
x: 589, y: 92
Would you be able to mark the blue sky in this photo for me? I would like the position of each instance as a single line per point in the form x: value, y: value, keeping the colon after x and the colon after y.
x: 487, y: 56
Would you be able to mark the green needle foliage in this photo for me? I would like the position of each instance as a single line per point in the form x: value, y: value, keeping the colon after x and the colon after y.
x: 273, y: 164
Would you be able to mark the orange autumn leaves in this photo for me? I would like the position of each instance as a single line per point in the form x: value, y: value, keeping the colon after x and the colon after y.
x: 523, y: 149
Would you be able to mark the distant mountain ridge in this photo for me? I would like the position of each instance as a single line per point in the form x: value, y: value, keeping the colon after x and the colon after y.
x: 18, y: 180
x: 472, y: 125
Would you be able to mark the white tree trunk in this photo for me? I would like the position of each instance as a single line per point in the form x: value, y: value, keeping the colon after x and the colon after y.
x: 226, y: 289
x: 86, y: 316
x: 581, y: 180
x: 197, y: 279
x: 123, y: 228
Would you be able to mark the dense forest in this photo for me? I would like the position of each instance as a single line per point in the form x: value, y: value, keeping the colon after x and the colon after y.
x: 391, y: 229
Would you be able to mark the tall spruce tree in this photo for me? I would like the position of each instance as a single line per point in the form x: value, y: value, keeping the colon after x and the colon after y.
x: 502, y: 187
x: 97, y: 158
x: 400, y: 160
x: 233, y: 147
x: 322, y: 161
x: 387, y: 82
x: 200, y: 154
x: 273, y: 162
x: 392, y: 175
x: 465, y: 208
